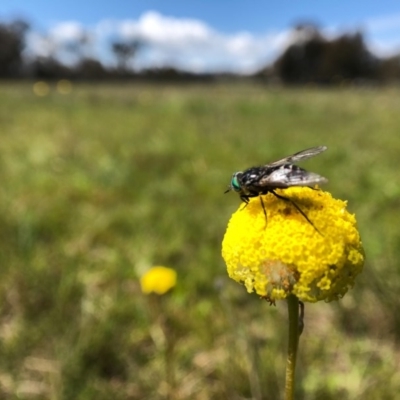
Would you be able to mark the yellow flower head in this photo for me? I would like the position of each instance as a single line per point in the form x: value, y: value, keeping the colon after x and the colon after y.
x: 285, y: 254
x: 41, y: 88
x: 158, y: 280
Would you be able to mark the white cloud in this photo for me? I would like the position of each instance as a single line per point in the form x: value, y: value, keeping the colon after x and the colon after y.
x: 191, y: 44
x: 60, y: 41
x: 39, y: 45
x: 383, y: 24
x: 157, y: 28
x: 384, y: 35
x: 67, y: 31
x: 384, y: 48
x: 185, y: 43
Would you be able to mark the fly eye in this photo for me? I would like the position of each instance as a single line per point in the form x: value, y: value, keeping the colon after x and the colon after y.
x: 235, y: 184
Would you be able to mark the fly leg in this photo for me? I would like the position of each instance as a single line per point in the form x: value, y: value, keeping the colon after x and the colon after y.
x: 263, y: 207
x: 297, y: 208
x: 245, y: 200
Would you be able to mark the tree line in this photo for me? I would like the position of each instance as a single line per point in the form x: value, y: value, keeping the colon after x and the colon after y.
x: 312, y: 58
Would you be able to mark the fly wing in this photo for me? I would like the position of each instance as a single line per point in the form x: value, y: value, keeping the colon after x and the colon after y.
x: 286, y: 177
x: 300, y: 156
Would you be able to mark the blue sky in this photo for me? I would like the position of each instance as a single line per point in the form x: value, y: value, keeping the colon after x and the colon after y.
x: 199, y: 35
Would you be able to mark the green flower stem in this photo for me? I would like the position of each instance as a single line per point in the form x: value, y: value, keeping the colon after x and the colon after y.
x: 293, y: 310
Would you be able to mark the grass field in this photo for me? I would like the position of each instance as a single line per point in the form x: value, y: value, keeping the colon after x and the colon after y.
x: 103, y: 183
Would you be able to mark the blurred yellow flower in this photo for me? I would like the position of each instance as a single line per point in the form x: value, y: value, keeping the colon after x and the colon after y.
x: 158, y: 280
x: 64, y: 86
x: 286, y: 254
x: 41, y: 88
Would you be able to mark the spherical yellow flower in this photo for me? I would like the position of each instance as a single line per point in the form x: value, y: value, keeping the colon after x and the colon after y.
x: 158, y: 280
x: 285, y: 254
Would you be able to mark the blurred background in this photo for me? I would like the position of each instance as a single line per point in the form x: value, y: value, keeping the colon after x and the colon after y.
x: 121, y: 124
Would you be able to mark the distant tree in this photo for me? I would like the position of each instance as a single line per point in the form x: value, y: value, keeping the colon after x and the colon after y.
x: 348, y: 58
x: 124, y: 52
x: 89, y: 68
x: 300, y: 62
x: 80, y: 47
x: 49, y: 68
x: 12, y: 43
x: 389, y: 69
x: 312, y: 58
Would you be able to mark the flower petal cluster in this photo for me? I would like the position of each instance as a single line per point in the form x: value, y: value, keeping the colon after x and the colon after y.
x: 285, y: 254
x: 158, y: 280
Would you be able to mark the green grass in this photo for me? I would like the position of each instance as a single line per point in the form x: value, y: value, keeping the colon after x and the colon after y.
x: 100, y: 184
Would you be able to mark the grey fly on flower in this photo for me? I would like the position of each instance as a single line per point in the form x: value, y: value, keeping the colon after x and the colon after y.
x: 281, y: 174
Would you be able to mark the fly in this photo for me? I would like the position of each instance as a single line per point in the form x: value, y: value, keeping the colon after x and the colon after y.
x: 281, y: 174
